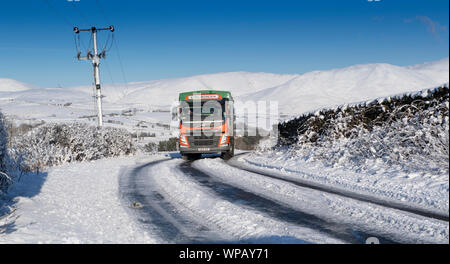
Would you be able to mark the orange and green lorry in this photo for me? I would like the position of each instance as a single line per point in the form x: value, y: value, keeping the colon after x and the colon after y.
x: 207, y: 123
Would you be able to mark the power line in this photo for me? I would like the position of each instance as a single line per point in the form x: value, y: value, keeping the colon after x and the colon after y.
x: 108, y: 43
x: 54, y: 10
x: 120, y: 63
x: 113, y: 42
x: 78, y: 41
x: 77, y: 44
x: 109, y: 73
x: 80, y: 44
x: 80, y: 13
x: 101, y: 11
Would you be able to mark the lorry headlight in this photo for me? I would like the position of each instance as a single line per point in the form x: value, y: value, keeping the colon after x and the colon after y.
x: 224, y: 140
x: 183, y: 141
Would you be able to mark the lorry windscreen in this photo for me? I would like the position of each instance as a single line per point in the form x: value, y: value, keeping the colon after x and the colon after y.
x: 210, y: 110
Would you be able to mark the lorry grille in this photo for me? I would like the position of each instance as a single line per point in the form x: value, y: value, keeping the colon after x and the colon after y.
x: 202, y: 140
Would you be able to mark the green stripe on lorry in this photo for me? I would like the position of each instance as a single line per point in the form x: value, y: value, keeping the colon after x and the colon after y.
x: 224, y: 94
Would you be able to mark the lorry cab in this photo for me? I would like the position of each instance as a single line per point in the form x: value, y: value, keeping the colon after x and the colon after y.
x: 206, y: 123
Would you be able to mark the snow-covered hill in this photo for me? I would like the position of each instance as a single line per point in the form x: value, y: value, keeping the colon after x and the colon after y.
x: 320, y: 89
x: 295, y: 93
x: 163, y: 92
x: 10, y: 85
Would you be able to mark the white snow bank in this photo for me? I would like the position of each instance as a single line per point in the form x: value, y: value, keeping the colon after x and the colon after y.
x: 429, y: 192
x: 398, y: 225
x: 73, y: 203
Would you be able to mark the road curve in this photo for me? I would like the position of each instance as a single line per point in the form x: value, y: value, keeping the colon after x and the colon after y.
x: 279, y: 211
x: 159, y: 217
x: 153, y: 211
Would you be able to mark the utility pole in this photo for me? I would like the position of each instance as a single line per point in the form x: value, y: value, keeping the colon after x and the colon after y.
x: 96, y: 63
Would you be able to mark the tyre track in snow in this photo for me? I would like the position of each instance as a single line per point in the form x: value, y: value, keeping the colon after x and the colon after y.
x: 163, y: 216
x: 158, y: 216
x: 276, y: 210
x: 343, y: 193
x: 153, y: 211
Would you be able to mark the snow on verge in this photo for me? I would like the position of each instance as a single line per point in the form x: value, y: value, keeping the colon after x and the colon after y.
x: 72, y: 203
x: 399, y: 226
x: 413, y: 194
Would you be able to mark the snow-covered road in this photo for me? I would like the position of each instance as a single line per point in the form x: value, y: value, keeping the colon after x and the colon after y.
x: 164, y: 199
x: 172, y: 201
x: 210, y: 201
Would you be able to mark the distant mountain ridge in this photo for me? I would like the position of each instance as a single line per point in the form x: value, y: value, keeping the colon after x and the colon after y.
x: 296, y: 93
x: 10, y: 85
x: 319, y: 89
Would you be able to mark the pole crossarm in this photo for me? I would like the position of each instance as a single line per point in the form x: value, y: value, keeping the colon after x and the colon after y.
x: 92, y: 29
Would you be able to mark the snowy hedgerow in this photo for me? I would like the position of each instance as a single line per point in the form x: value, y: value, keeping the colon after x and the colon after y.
x: 150, y: 147
x: 3, y: 142
x: 168, y: 145
x: 53, y: 144
x: 409, y: 132
x: 4, y: 178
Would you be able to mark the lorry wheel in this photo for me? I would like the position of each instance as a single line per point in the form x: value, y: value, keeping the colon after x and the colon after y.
x: 228, y: 154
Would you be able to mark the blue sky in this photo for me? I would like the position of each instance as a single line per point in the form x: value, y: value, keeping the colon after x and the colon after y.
x: 166, y: 39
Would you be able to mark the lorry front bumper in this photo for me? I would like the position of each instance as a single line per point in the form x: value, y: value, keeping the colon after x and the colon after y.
x: 203, y: 149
